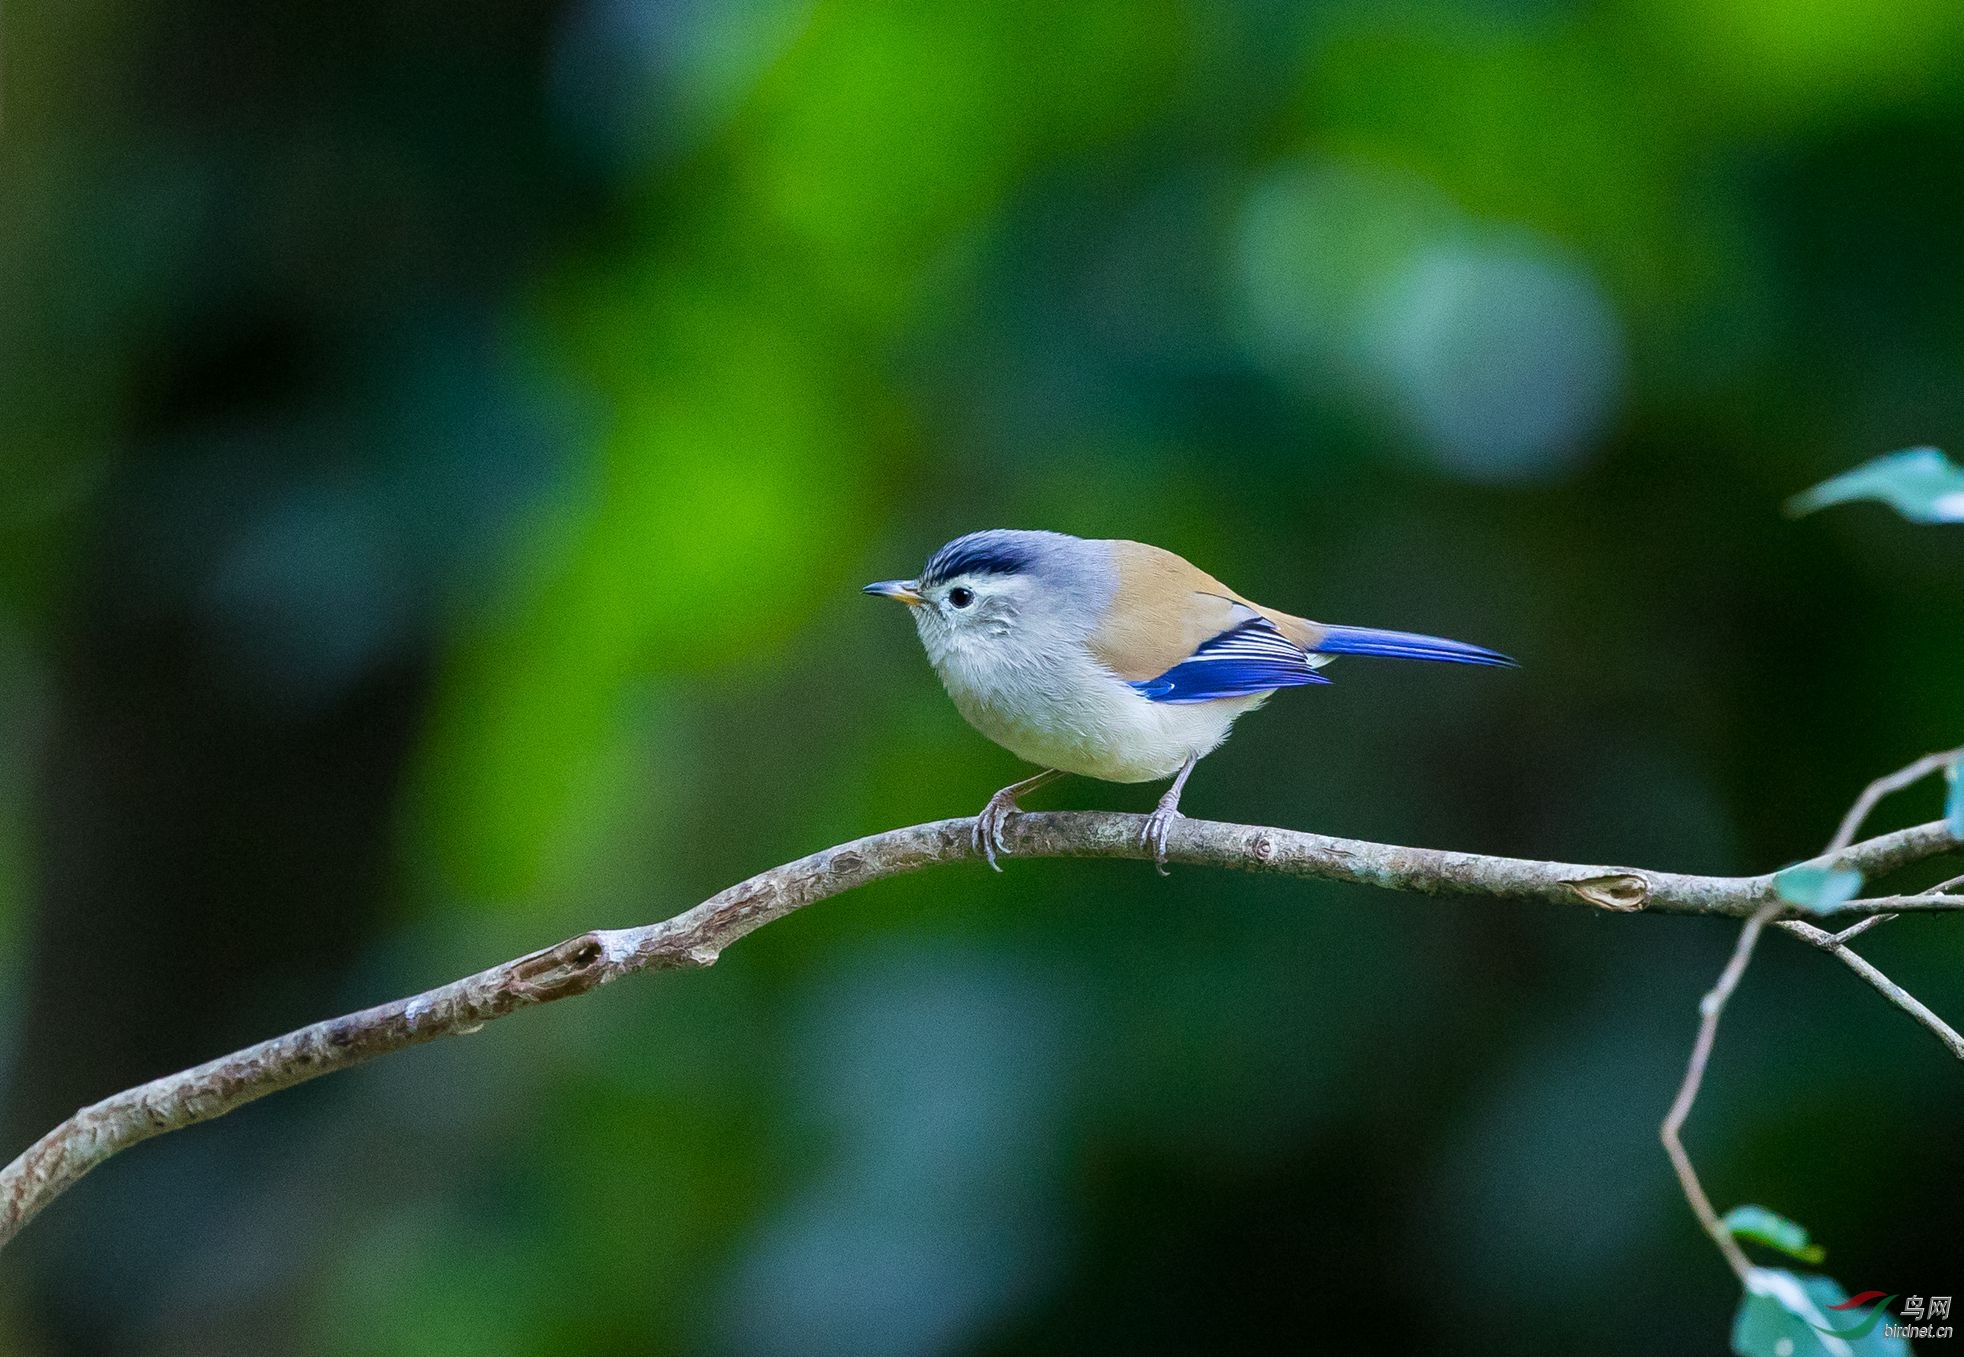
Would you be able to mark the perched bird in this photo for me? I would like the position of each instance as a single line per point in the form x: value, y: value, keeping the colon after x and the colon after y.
x: 1113, y: 659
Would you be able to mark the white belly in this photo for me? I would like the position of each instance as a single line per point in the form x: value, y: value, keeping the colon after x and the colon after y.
x: 1077, y: 716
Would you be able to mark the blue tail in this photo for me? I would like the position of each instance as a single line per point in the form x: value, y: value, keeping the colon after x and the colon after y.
x: 1404, y: 645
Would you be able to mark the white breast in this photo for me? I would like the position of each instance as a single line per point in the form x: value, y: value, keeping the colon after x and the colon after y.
x: 1054, y: 705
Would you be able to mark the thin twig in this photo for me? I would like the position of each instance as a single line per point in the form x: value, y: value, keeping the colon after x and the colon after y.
x: 1836, y: 945
x: 1710, y: 1008
x: 1842, y: 851
x: 1851, y: 823
x: 1855, y: 930
x: 696, y: 937
x: 1865, y: 804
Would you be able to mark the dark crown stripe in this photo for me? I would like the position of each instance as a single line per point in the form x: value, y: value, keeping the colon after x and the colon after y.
x: 971, y: 556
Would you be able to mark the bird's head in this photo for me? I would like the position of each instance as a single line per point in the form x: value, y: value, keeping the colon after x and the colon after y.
x: 990, y: 589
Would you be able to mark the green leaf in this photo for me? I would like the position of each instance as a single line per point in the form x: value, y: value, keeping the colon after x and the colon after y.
x: 1773, y: 1230
x: 1919, y: 483
x: 1820, y: 889
x: 1786, y: 1314
x: 1954, y: 805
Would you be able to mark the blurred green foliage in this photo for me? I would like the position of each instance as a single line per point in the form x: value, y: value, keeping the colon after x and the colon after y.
x: 1789, y: 1315
x: 1758, y: 1225
x: 443, y: 445
x: 1821, y: 889
x: 1919, y: 483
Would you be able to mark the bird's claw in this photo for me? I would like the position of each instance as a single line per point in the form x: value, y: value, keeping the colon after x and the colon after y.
x: 1153, y: 835
x: 989, y: 826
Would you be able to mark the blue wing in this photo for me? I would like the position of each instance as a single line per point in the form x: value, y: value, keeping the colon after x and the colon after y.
x: 1251, y: 657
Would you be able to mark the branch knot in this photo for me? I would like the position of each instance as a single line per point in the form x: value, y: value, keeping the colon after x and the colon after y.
x: 1622, y: 892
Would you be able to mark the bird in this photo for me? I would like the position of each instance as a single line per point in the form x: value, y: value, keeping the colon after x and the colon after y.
x: 1114, y: 660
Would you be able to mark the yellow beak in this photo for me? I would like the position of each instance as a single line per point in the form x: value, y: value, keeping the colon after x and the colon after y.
x: 903, y: 590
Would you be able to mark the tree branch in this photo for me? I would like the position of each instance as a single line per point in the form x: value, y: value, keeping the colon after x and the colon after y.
x: 1906, y: 776
x: 1851, y: 824
x: 1842, y: 851
x: 696, y: 937
x: 1710, y: 1009
x: 1836, y: 945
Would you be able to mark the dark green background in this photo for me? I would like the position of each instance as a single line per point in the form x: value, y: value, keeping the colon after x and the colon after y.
x: 443, y: 442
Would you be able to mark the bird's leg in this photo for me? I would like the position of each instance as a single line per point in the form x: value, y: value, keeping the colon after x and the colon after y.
x: 1163, y: 816
x: 989, y: 824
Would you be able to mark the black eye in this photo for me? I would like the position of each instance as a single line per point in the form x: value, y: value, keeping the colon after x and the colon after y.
x: 961, y: 597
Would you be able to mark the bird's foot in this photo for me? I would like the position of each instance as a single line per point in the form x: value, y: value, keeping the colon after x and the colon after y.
x: 1160, y: 822
x: 1153, y: 835
x: 989, y: 825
